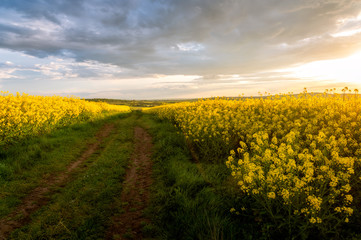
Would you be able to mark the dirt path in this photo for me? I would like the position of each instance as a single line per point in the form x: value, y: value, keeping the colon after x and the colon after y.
x: 39, y: 196
x: 135, y: 194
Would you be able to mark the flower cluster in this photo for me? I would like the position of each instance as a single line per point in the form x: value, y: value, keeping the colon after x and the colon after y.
x: 302, y: 152
x: 25, y: 115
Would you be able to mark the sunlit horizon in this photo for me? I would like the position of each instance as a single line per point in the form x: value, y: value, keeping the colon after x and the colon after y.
x: 343, y: 70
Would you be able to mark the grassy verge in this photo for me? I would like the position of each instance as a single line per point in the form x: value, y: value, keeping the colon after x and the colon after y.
x: 82, y: 209
x: 191, y: 200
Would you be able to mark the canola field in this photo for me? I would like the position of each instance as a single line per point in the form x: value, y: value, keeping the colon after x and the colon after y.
x: 24, y: 115
x: 296, y: 157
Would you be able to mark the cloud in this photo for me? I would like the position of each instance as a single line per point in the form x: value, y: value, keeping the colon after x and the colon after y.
x: 143, y: 38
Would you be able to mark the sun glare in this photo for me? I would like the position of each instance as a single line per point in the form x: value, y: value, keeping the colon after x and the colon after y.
x: 345, y: 70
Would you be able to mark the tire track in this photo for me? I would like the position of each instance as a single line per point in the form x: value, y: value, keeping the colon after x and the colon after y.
x: 39, y: 196
x: 135, y: 194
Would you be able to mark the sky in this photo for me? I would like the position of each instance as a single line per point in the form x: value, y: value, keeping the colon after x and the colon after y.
x: 171, y: 49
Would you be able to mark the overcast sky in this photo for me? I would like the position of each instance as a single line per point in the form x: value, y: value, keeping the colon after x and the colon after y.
x: 149, y: 49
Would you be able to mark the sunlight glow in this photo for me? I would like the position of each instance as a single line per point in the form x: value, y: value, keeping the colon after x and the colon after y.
x: 347, y: 33
x: 346, y: 70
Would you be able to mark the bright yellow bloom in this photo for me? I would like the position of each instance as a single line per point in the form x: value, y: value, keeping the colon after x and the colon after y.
x: 291, y: 148
x: 271, y: 195
x: 25, y: 115
x: 313, y: 220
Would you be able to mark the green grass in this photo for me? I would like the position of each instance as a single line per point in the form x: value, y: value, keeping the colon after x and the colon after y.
x: 82, y: 209
x: 24, y: 164
x: 189, y: 200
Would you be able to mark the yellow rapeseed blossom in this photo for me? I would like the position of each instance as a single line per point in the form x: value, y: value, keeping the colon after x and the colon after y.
x: 25, y: 115
x: 304, y: 150
x: 271, y: 195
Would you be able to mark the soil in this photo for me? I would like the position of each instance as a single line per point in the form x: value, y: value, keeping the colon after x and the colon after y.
x: 135, y: 194
x: 39, y: 196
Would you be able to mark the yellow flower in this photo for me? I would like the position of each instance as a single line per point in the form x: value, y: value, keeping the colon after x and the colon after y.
x: 271, y: 195
x: 349, y: 198
x: 285, y: 194
x: 255, y: 191
x: 313, y: 220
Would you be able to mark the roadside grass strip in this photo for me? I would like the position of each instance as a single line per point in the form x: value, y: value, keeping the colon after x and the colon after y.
x: 188, y: 203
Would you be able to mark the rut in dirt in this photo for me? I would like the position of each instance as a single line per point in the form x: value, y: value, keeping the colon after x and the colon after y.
x: 135, y: 194
x: 39, y: 196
